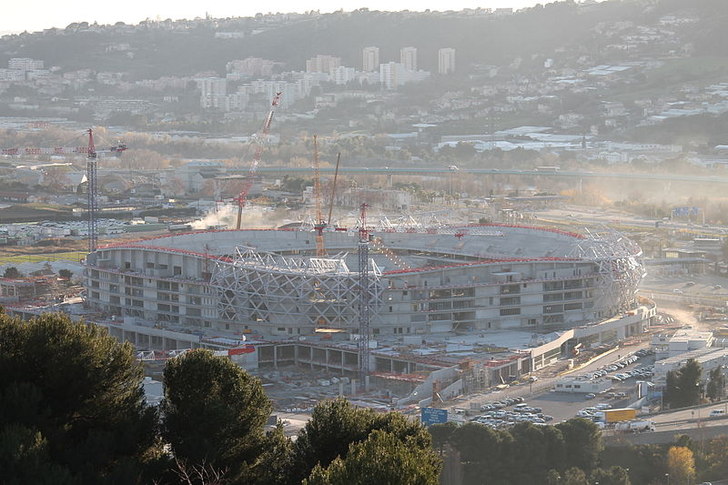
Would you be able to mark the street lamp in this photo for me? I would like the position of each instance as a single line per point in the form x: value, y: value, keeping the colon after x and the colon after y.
x: 667, y: 475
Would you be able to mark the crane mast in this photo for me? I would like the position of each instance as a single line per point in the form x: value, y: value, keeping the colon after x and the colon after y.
x: 242, y: 198
x: 91, y: 165
x: 333, y: 189
x: 319, y: 223
x: 364, y: 300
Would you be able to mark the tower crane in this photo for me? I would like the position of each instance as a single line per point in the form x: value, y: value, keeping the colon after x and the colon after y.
x: 91, y: 165
x: 333, y: 189
x: 364, y: 298
x: 242, y: 197
x: 319, y: 223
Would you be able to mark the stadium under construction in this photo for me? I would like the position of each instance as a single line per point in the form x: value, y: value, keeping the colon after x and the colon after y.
x: 526, y: 293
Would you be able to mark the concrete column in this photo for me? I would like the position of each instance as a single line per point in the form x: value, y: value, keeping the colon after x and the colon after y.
x: 275, y: 356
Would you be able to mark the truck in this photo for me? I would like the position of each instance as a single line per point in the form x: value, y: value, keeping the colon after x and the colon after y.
x: 179, y: 227
x: 617, y: 415
x: 635, y: 426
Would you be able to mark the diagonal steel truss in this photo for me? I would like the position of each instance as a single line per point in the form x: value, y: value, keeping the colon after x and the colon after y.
x: 618, y: 262
x: 322, y: 293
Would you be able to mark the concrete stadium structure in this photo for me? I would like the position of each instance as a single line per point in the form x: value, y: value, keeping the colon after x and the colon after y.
x: 450, y: 279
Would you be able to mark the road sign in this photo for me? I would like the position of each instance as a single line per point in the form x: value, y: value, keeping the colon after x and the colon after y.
x: 430, y: 416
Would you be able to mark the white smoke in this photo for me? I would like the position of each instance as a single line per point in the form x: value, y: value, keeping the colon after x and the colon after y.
x: 226, y: 217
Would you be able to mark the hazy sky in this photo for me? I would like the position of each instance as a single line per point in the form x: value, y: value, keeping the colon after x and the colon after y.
x: 31, y: 15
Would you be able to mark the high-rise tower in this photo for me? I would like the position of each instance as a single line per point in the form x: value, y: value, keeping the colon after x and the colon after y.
x: 446, y: 60
x: 370, y: 59
x: 408, y: 57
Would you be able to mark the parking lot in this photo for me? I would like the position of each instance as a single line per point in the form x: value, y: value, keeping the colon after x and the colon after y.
x: 499, y: 409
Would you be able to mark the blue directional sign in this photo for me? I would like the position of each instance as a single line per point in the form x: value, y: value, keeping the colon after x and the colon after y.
x: 686, y: 211
x: 430, y: 416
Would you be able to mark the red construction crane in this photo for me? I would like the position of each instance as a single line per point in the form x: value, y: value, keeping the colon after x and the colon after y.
x: 333, y: 189
x: 242, y: 198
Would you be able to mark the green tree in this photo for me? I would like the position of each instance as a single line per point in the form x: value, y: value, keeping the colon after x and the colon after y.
x: 381, y: 459
x: 670, y: 393
x: 24, y: 458
x: 646, y: 463
x: 442, y: 434
x: 544, y: 447
x: 214, y: 413
x: 336, y: 424
x: 615, y: 475
x: 583, y: 443
x: 574, y: 476
x: 682, y: 388
x: 72, y: 402
x: 333, y: 426
x: 484, y: 452
x: 553, y: 477
x: 275, y: 461
x: 12, y: 272
x: 65, y: 273
x: 716, y: 384
x: 715, y: 459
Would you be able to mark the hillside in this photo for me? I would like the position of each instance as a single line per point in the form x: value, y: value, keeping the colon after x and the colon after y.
x: 184, y: 48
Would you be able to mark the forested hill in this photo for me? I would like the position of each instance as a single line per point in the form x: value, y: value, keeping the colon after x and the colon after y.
x: 186, y: 47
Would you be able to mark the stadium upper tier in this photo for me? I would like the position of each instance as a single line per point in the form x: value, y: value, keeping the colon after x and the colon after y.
x: 452, y: 278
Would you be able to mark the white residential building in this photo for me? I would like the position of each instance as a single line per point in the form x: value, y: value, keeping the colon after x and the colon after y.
x: 391, y: 75
x: 370, y: 61
x: 25, y: 64
x: 322, y: 63
x: 212, y: 91
x: 446, y: 60
x: 408, y: 57
x: 342, y: 75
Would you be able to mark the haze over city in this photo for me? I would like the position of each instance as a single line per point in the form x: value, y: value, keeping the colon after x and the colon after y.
x: 441, y: 243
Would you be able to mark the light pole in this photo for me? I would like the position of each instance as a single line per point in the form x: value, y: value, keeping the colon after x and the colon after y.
x: 667, y: 475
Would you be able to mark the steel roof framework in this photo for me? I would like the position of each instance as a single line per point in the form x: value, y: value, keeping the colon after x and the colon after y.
x: 264, y: 287
x: 619, y: 264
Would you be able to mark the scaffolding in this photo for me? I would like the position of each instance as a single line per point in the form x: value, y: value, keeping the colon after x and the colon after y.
x: 322, y: 293
x: 619, y: 266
